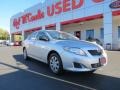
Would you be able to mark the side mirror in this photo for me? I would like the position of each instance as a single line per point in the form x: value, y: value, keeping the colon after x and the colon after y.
x: 43, y: 39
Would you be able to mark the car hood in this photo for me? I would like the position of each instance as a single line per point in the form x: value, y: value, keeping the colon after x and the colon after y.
x: 77, y: 44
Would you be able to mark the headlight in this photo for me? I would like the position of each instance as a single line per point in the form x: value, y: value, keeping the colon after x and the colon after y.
x: 76, y: 51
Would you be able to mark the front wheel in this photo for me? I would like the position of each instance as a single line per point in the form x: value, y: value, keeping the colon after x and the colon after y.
x: 55, y: 63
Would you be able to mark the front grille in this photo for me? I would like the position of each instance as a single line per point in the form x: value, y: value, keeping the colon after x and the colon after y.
x: 95, y: 52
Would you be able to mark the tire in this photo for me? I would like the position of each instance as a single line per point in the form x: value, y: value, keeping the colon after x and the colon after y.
x: 55, y: 64
x: 25, y: 56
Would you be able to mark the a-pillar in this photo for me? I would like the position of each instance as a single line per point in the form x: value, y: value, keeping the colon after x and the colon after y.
x: 58, y: 26
x: 107, y: 21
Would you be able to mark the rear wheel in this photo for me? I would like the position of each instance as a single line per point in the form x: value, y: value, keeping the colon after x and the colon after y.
x: 55, y: 63
x: 25, y: 56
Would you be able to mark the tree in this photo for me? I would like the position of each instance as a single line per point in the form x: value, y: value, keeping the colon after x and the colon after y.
x: 4, y: 35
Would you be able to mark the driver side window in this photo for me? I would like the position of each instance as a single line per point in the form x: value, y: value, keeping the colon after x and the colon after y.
x: 42, y: 36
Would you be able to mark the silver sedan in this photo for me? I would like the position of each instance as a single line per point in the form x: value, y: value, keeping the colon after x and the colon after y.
x: 62, y: 51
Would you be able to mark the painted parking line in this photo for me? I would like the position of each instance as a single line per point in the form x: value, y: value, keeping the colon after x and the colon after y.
x: 58, y: 79
x: 50, y: 77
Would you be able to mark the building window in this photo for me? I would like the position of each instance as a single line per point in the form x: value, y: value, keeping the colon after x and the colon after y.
x: 119, y: 32
x: 89, y: 34
x: 102, y: 33
x: 78, y: 34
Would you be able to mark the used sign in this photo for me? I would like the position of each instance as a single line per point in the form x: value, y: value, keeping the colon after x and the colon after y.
x: 115, y: 4
x: 51, y: 10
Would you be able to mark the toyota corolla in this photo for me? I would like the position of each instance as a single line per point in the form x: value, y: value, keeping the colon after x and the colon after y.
x: 63, y: 51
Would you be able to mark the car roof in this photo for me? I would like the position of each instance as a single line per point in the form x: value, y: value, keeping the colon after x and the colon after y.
x: 47, y: 30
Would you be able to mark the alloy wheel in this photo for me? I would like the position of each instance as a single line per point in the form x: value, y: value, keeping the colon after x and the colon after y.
x: 54, y: 64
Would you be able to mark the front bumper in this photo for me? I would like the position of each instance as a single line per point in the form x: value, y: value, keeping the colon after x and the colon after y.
x: 71, y: 62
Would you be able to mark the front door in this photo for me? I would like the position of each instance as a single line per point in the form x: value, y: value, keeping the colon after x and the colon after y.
x: 41, y: 47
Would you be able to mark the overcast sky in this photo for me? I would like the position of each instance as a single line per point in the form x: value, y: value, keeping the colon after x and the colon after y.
x: 10, y: 7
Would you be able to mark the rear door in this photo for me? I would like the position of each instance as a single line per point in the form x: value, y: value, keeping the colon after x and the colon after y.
x: 31, y: 44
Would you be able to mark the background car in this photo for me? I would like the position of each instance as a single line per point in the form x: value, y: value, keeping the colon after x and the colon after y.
x: 9, y: 43
x: 63, y: 51
x: 17, y: 43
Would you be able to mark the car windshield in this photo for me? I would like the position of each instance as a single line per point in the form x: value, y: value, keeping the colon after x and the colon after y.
x: 57, y: 35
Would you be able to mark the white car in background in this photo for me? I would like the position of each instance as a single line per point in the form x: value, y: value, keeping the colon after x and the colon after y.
x: 62, y: 51
x: 8, y: 43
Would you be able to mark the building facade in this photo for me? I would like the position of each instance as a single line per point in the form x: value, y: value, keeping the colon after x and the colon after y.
x: 98, y: 19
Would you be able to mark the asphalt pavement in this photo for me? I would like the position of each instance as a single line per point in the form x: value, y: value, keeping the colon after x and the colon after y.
x: 17, y: 74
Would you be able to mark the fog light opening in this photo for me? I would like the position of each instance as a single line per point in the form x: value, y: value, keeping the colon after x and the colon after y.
x: 79, y: 65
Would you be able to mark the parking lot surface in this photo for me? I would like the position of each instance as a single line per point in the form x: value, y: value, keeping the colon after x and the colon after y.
x: 17, y: 74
